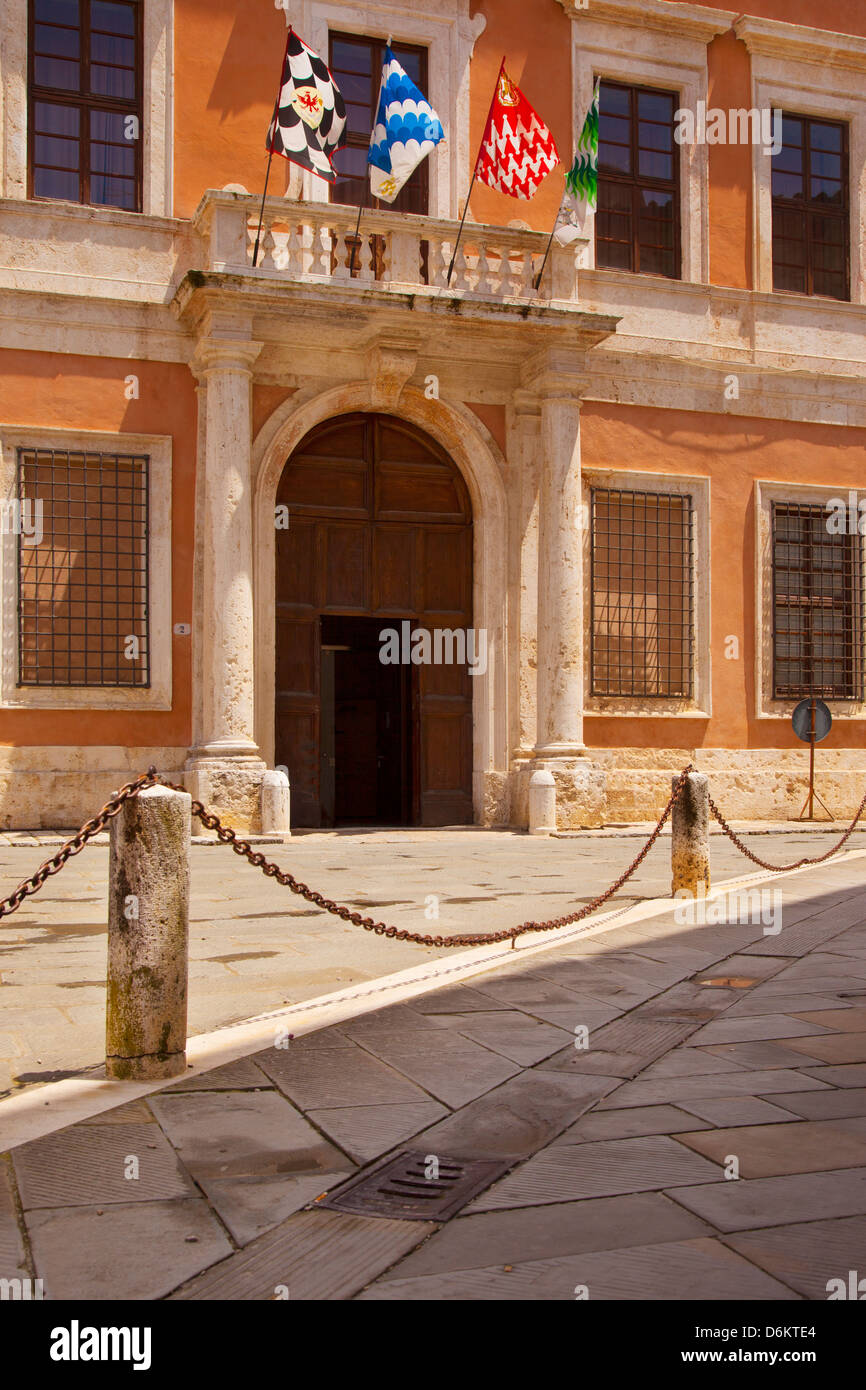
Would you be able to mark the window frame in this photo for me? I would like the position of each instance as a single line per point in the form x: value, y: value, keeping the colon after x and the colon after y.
x: 807, y: 208
x: 352, y: 141
x: 699, y: 704
x: 766, y: 493
x: 156, y: 696
x: 85, y: 103
x: 637, y: 183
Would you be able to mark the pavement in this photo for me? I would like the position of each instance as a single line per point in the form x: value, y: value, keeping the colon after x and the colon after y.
x: 656, y: 1111
x: 254, y: 946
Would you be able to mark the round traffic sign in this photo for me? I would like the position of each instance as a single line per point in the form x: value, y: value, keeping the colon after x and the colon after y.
x: 802, y: 720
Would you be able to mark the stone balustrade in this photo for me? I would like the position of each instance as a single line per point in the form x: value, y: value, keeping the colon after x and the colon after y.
x: 316, y: 243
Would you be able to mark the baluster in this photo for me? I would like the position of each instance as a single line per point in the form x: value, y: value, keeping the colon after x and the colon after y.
x: 483, y: 281
x: 266, y: 249
x: 440, y: 255
x: 306, y: 249
x: 293, y: 250
x: 323, y: 262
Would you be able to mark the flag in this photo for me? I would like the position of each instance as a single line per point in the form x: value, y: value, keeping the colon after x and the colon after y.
x: 311, y: 114
x: 517, y: 149
x: 407, y: 129
x: 581, y: 181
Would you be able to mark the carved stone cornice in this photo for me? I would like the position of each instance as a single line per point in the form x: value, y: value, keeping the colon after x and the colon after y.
x: 800, y: 43
x: 665, y: 16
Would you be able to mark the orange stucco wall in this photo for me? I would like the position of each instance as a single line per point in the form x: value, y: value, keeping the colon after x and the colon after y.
x: 841, y: 16
x: 733, y: 453
x: 51, y: 390
x: 730, y: 172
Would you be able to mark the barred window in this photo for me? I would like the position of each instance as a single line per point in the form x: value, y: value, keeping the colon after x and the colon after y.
x: 818, y: 609
x: 85, y: 101
x: 83, y: 600
x: 642, y: 633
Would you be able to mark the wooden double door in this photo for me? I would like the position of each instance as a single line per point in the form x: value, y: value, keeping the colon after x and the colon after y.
x: 379, y: 541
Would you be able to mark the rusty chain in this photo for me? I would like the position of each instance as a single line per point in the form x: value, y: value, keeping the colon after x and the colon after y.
x: 784, y: 868
x: 226, y: 835
x: 77, y: 842
x: 271, y: 870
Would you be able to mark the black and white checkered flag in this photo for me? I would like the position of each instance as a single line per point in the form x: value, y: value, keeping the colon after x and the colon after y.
x: 311, y: 114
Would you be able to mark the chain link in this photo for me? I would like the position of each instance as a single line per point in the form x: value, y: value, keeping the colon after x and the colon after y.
x: 784, y: 868
x: 76, y: 844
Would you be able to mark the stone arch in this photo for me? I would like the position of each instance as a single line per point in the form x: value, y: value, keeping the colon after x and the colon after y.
x: 471, y: 446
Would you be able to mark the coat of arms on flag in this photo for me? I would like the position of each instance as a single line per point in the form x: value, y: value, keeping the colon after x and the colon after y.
x: 310, y: 115
x: 407, y: 129
x: 517, y: 149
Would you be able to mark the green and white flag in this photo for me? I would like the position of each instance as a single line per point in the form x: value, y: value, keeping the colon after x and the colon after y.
x: 581, y: 181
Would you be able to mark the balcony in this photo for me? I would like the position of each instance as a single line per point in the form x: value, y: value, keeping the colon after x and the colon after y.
x: 313, y: 243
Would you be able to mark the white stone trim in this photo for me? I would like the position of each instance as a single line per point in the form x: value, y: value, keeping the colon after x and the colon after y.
x: 159, y: 694
x: 157, y: 97
x: 449, y: 31
x: 813, y: 73
x: 627, y: 707
x: 476, y: 454
x: 613, y: 39
x: 666, y: 16
x: 766, y: 493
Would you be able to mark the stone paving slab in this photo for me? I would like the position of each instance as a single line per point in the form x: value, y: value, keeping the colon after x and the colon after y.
x: 535, y: 1233
x: 138, y: 1250
x: 696, y: 1269
x: 86, y: 1165
x: 806, y: 1256
x: 314, y: 1255
x: 803, y: 1146
x: 598, y: 1169
x: 775, y: 1201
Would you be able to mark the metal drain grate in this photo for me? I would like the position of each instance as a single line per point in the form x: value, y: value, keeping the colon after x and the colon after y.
x: 401, y: 1189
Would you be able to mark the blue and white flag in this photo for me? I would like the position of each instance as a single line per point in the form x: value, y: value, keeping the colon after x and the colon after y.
x: 407, y: 129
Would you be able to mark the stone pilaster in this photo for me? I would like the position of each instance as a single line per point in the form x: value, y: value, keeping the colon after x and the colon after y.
x: 224, y: 768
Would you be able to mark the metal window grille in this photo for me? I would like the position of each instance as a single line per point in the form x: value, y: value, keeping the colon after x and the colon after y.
x: 83, y: 576
x: 642, y: 631
x: 818, y: 610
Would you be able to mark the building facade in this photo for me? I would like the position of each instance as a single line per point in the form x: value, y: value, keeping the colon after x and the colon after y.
x: 621, y: 509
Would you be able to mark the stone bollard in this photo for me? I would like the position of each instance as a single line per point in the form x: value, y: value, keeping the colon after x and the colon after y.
x: 148, y: 924
x: 542, y: 803
x: 690, y: 837
x: 276, y: 804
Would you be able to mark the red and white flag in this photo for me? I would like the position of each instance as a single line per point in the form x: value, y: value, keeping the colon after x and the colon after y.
x: 517, y: 149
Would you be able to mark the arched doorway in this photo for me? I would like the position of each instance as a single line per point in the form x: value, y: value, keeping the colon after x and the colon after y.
x: 379, y: 539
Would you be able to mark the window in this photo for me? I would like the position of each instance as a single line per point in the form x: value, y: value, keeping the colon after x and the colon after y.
x: 810, y: 208
x: 85, y: 101
x: 83, y: 601
x: 817, y: 606
x: 642, y: 630
x: 637, y: 221
x: 356, y: 65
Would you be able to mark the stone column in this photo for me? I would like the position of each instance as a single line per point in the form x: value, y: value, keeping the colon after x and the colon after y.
x: 560, y: 578
x: 557, y: 377
x: 224, y: 768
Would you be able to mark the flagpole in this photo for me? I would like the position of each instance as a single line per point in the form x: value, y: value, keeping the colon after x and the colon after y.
x: 549, y: 244
x: 388, y: 42
x: 355, y: 240
x: 474, y: 173
x: 271, y: 148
